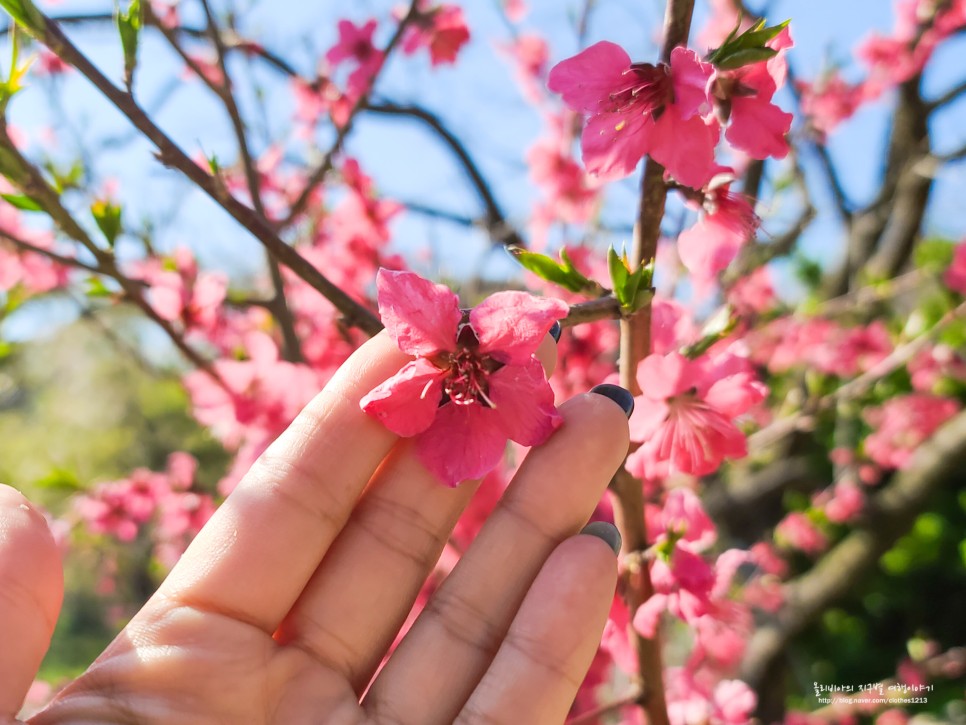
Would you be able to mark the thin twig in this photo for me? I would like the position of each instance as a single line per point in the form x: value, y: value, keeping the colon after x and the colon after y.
x: 325, y: 166
x: 171, y: 155
x: 496, y: 224
x: 291, y: 347
x: 592, y: 716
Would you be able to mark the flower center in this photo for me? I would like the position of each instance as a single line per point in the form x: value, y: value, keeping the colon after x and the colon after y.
x: 467, y: 382
x: 647, y: 87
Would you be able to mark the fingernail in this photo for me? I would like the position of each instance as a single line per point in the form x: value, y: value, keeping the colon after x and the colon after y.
x: 555, y: 331
x: 606, y: 532
x: 618, y: 394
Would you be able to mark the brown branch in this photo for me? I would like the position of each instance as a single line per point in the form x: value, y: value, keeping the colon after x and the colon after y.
x: 758, y: 254
x: 948, y: 97
x: 329, y: 158
x: 51, y: 255
x: 602, y: 308
x: 842, y: 204
x: 592, y: 716
x: 496, y: 224
x: 291, y: 345
x: 855, y: 388
x: 171, y: 155
x: 954, y: 155
x: 636, y: 584
x: 890, y: 514
x: 26, y: 177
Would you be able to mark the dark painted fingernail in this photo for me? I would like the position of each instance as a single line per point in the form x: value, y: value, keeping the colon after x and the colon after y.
x: 555, y: 331
x: 619, y: 395
x: 606, y: 532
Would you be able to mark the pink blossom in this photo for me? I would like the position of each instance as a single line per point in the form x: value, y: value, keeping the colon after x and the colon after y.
x: 846, y: 503
x: 684, y: 418
x: 682, y: 586
x: 798, y: 531
x: 570, y: 195
x: 355, y: 45
x: 723, y: 19
x: 955, y: 275
x: 902, y: 423
x: 475, y: 382
x: 692, y: 701
x: 441, y: 29
x: 672, y: 325
x: 768, y: 559
x: 894, y: 716
x: 638, y: 108
x: 515, y: 10
x: 178, y: 291
x: 743, y: 98
x: 753, y: 293
x: 206, y: 66
x: 727, y: 221
x: 50, y: 64
x: 684, y: 517
x: 930, y: 367
x: 824, y: 345
x: 615, y: 640
x: 830, y: 101
x: 734, y: 702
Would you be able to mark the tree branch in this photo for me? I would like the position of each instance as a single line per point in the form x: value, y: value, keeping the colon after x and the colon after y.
x: 51, y: 255
x: 26, y: 177
x: 635, y: 346
x: 947, y: 98
x: 171, y: 155
x: 291, y: 345
x: 495, y: 222
x: 325, y: 166
x: 890, y: 514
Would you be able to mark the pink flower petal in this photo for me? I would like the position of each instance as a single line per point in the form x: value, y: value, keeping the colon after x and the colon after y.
x: 664, y: 376
x: 758, y: 128
x: 648, y: 614
x: 420, y: 316
x: 612, y: 144
x: 408, y: 401
x: 587, y: 80
x: 524, y: 403
x: 464, y: 442
x: 511, y: 325
x: 692, y: 80
x: 648, y: 416
x: 685, y: 148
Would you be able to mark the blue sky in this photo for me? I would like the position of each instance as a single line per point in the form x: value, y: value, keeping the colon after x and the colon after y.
x: 479, y: 101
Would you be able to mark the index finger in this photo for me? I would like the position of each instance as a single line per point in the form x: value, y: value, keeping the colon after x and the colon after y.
x: 258, y: 551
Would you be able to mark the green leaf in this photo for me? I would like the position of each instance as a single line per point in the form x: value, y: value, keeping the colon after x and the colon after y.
x: 934, y: 254
x: 562, y: 273
x: 749, y: 47
x: 6, y: 349
x: 619, y: 275
x: 129, y: 28
x: 22, y: 202
x: 95, y: 287
x: 108, y: 218
x: 60, y: 478
x: 746, y: 56
x: 632, y: 289
x: 26, y: 15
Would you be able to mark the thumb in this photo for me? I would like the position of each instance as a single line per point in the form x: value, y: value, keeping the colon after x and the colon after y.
x: 31, y: 590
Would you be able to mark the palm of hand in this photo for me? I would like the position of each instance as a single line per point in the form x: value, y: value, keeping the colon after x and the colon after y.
x: 286, y: 603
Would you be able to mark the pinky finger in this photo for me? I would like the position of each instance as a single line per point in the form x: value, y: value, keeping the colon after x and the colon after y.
x: 546, y: 654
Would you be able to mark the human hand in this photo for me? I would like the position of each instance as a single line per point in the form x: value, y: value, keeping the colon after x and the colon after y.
x: 285, y: 604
